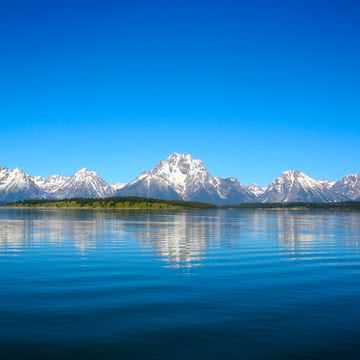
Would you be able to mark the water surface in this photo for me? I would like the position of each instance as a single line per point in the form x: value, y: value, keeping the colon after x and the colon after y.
x: 226, y: 284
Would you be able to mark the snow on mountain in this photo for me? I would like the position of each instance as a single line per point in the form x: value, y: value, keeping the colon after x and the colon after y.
x: 83, y: 184
x: 327, y: 183
x: 117, y: 186
x: 38, y: 180
x: 17, y: 185
x: 179, y: 177
x: 255, y: 189
x: 348, y: 186
x: 182, y: 177
x: 168, y: 180
x: 295, y: 186
x: 51, y: 184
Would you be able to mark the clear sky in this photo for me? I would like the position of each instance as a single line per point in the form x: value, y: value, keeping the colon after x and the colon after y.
x: 250, y: 87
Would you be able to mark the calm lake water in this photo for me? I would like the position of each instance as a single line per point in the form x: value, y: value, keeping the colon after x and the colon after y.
x: 234, y: 284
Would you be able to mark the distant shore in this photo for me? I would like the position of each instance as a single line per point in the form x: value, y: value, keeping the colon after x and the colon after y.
x: 141, y: 203
x: 125, y: 203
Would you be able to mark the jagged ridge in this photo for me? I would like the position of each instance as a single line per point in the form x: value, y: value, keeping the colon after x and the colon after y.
x: 182, y: 177
x: 179, y: 177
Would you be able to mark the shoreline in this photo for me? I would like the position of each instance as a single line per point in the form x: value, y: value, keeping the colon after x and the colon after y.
x: 141, y: 203
x: 181, y: 209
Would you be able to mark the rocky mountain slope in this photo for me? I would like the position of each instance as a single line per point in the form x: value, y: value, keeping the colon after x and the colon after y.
x: 179, y: 177
x: 182, y: 177
x: 255, y: 189
x: 295, y: 186
x: 16, y: 185
x: 51, y: 184
x: 348, y: 186
x: 83, y: 184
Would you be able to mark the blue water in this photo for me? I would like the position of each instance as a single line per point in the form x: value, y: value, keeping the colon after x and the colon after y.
x: 227, y: 284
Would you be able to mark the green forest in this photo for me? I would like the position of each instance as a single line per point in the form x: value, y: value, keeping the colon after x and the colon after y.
x: 131, y: 202
x: 134, y: 202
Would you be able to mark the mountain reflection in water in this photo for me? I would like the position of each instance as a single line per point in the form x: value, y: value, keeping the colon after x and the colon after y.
x: 214, y: 284
x: 179, y: 239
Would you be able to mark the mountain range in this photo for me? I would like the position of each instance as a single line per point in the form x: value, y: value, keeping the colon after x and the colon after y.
x: 179, y: 177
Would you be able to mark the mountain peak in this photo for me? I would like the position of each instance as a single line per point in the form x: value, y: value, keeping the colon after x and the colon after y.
x: 233, y: 179
x: 348, y: 186
x: 295, y: 186
x: 16, y: 185
x: 178, y: 156
x: 84, y: 183
x: 86, y: 172
x: 181, y: 176
x: 118, y: 186
x: 18, y: 172
x: 352, y: 177
x: 182, y: 161
x: 255, y: 189
x: 179, y: 171
x: 292, y: 173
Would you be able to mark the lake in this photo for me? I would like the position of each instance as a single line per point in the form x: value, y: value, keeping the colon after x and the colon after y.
x: 213, y: 284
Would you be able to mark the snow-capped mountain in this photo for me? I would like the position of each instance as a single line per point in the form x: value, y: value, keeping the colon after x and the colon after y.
x: 255, y: 189
x: 182, y: 177
x: 52, y: 184
x: 179, y: 177
x: 348, y: 186
x: 117, y: 186
x: 16, y: 185
x: 295, y: 186
x: 83, y: 184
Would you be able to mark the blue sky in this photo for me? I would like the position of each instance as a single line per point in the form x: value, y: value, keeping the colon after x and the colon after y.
x: 250, y: 87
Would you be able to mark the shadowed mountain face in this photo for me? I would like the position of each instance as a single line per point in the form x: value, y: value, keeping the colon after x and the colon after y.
x: 348, y: 186
x: 182, y: 177
x: 179, y: 177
